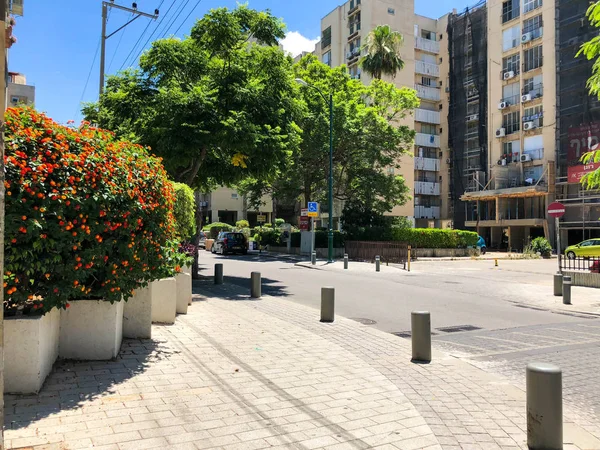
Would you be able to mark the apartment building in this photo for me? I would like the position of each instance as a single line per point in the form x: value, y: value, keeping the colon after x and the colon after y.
x: 227, y: 205
x: 344, y: 32
x: 18, y: 91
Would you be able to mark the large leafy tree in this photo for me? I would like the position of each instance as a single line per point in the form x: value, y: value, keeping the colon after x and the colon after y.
x: 383, y: 52
x: 368, y: 139
x: 217, y: 105
x: 591, y: 50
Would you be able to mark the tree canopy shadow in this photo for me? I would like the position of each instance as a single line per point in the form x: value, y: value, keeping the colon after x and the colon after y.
x: 235, y: 288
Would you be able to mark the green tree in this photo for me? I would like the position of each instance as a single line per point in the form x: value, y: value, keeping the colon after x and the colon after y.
x: 217, y: 105
x: 183, y: 210
x: 591, y: 50
x: 368, y: 139
x: 383, y: 52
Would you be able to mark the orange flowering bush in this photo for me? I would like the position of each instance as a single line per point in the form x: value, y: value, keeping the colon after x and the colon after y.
x: 87, y: 215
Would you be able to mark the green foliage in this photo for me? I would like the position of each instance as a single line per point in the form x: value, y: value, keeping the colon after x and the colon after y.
x: 542, y: 246
x: 321, y: 239
x: 87, y: 215
x: 360, y: 222
x: 367, y: 140
x: 242, y: 224
x: 215, y: 228
x: 591, y: 50
x: 383, y: 49
x: 279, y: 222
x: 268, y: 236
x: 419, y: 237
x: 184, y: 211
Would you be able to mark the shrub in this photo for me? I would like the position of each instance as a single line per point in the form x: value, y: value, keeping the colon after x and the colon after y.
x: 242, y: 224
x: 184, y: 211
x: 87, y: 215
x: 417, y: 237
x: 215, y: 228
x: 542, y: 246
x: 268, y: 236
x: 279, y: 222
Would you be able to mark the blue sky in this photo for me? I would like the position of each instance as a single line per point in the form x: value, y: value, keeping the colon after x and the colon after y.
x: 57, y: 41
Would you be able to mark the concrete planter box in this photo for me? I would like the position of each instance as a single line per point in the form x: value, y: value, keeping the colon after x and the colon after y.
x: 137, y: 315
x: 91, y: 330
x: 443, y: 252
x: 30, y: 349
x: 164, y: 300
x: 586, y: 279
x: 184, y: 292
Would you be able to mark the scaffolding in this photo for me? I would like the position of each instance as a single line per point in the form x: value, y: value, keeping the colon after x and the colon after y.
x: 467, y: 116
x: 578, y: 120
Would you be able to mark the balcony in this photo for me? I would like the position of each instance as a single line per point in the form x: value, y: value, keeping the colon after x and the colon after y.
x: 427, y: 212
x: 427, y: 140
x: 424, y: 68
x: 424, y: 115
x: 429, y: 164
x: 536, y: 91
x: 428, y: 92
x: 426, y: 188
x: 354, y: 28
x: 353, y: 54
x: 427, y: 45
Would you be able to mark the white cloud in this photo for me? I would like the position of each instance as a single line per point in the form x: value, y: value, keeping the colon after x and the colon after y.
x: 294, y: 43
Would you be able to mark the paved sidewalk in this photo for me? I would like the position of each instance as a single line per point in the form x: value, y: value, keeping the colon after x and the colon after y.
x: 241, y: 374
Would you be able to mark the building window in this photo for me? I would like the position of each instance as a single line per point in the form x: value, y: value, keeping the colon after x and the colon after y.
x: 511, y: 63
x: 511, y: 94
x: 425, y: 81
x: 511, y: 38
x: 535, y: 115
x: 327, y: 58
x: 428, y: 35
x: 428, y: 128
x: 530, y: 5
x: 533, y: 26
x: 234, y: 195
x: 533, y: 58
x: 510, y: 10
x: 511, y: 149
x: 391, y: 11
x: 326, y: 37
x: 14, y: 100
x: 511, y: 122
x: 533, y: 86
x: 390, y: 171
x: 353, y: 4
x: 355, y: 24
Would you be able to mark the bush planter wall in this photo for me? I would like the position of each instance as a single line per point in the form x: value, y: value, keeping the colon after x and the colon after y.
x: 30, y: 349
x: 184, y: 292
x: 164, y: 300
x: 91, y: 330
x: 443, y: 252
x: 137, y: 315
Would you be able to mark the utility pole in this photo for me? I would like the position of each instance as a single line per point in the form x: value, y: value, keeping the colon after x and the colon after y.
x: 133, y: 10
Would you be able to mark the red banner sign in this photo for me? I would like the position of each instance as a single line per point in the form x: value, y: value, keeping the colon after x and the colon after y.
x: 583, y: 139
x: 304, y: 223
x: 576, y: 173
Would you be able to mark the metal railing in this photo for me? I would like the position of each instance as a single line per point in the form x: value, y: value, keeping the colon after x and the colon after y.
x: 388, y: 251
x: 580, y: 264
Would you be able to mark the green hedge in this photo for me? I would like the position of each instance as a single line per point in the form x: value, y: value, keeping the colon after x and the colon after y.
x: 419, y: 237
x: 215, y: 228
x: 339, y: 239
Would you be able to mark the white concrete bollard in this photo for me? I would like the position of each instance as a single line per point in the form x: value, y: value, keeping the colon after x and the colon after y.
x: 327, y: 304
x: 544, y: 406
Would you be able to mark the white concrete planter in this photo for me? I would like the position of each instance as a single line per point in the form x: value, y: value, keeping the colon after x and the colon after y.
x: 137, y: 314
x: 187, y: 269
x: 91, y: 330
x: 164, y: 300
x: 30, y: 349
x: 184, y: 292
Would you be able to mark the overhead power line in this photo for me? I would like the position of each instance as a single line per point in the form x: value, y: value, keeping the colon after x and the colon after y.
x: 166, y: 30
x: 118, y: 45
x: 188, y: 16
x: 77, y: 110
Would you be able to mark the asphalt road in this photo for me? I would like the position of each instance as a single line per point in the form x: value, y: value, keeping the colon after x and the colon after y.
x: 475, y: 296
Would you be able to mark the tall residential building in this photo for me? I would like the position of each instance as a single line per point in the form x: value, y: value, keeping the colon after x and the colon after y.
x: 344, y: 32
x: 18, y: 91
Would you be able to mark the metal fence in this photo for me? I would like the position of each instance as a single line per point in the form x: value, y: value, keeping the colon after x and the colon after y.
x: 584, y: 264
x: 393, y: 252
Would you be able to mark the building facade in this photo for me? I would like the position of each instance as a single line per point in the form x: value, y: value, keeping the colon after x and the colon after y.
x: 18, y: 91
x: 227, y: 205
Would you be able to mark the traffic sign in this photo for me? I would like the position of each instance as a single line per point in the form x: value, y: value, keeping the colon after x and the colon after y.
x: 556, y: 210
x: 313, y: 209
x: 304, y: 212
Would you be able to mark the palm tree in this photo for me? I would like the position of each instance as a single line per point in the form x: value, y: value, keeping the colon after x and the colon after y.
x: 383, y: 52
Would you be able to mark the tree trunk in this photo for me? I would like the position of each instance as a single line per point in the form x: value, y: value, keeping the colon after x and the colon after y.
x: 199, y: 222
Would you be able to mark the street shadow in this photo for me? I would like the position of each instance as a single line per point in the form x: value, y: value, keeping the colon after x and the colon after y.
x: 261, y: 258
x: 235, y: 288
x: 76, y: 384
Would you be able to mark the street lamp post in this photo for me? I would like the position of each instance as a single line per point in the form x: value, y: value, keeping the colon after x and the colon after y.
x: 330, y: 193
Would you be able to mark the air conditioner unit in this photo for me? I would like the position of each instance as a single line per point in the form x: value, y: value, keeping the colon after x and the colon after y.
x: 501, y: 132
x: 508, y: 75
x: 447, y: 89
x: 448, y: 160
x: 528, y: 126
x: 503, y: 105
x: 472, y: 117
x: 526, y: 37
x: 525, y: 98
x: 525, y: 158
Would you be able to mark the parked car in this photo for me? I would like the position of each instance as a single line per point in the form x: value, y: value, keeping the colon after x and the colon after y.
x: 589, y: 248
x: 229, y: 242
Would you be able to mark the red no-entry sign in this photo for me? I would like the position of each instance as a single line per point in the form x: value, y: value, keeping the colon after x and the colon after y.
x: 556, y: 210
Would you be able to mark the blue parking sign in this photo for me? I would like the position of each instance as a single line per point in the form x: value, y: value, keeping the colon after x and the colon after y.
x: 313, y: 209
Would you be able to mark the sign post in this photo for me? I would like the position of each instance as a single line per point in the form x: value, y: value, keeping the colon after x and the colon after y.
x: 557, y: 210
x: 313, y: 211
